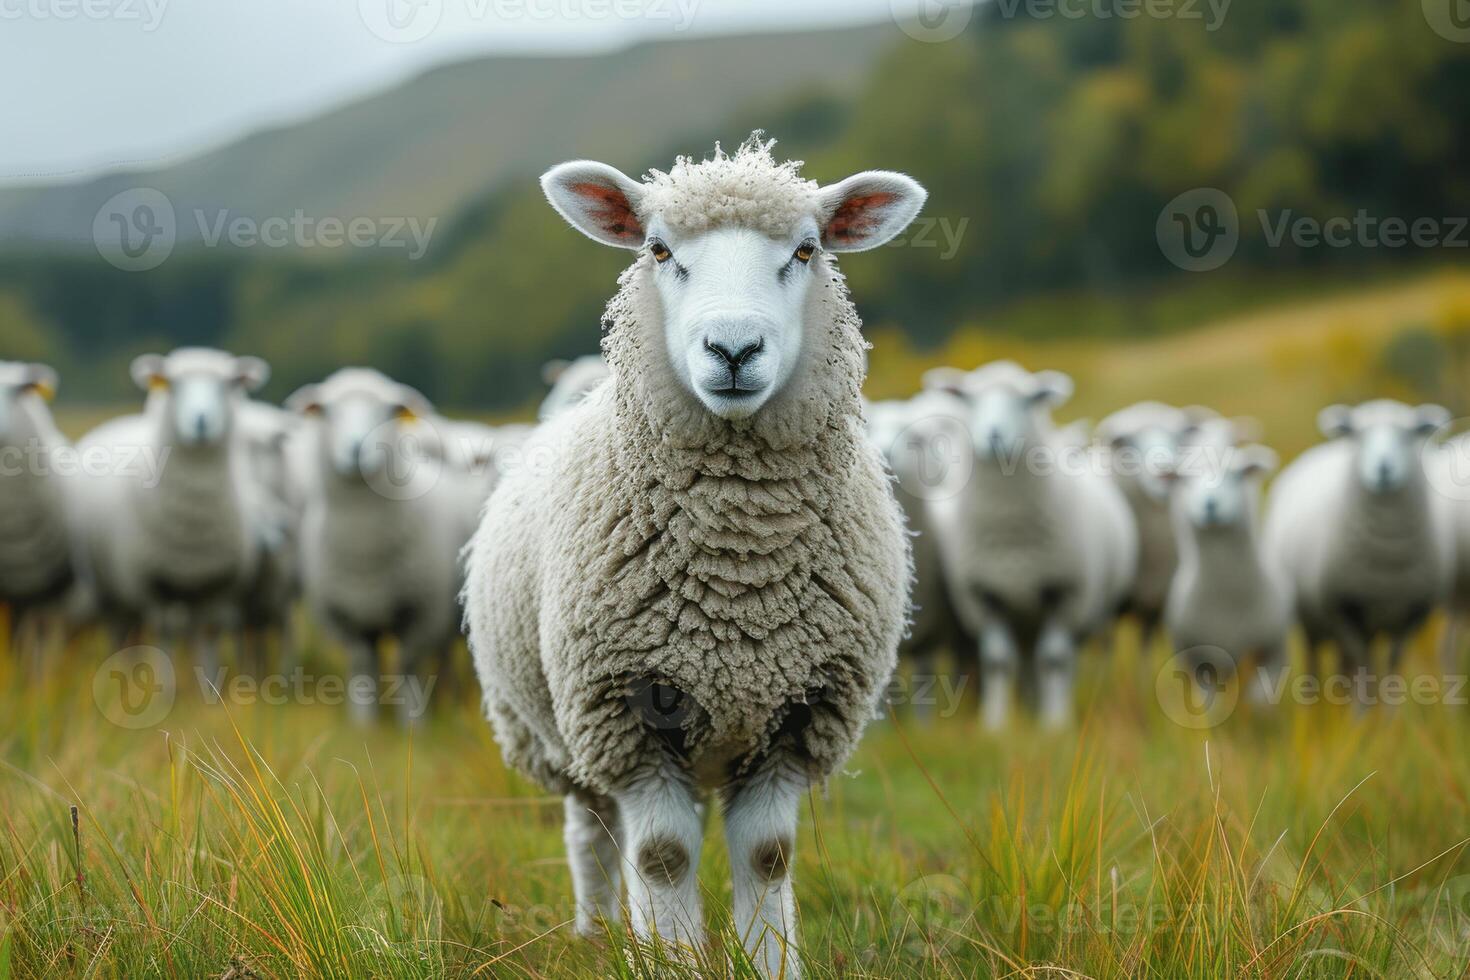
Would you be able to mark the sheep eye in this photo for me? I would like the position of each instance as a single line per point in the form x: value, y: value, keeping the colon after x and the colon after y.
x: 805, y: 251
x: 660, y: 251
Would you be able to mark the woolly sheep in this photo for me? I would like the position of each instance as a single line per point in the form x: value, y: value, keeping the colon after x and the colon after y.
x: 275, y: 498
x: 1450, y: 476
x: 1364, y: 540
x: 167, y: 530
x: 705, y: 584
x: 570, y: 381
x: 1227, y: 602
x: 38, y: 573
x: 1039, y: 549
x: 380, y: 534
x: 911, y: 435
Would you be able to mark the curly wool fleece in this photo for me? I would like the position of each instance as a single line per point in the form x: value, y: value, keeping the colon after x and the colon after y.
x: 758, y: 568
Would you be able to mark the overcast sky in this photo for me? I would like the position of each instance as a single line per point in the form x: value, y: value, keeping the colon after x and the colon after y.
x: 96, y: 84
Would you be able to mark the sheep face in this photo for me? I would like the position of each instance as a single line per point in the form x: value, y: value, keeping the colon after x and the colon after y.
x: 364, y: 423
x: 733, y: 246
x: 195, y: 391
x: 1222, y: 493
x: 19, y: 383
x: 1388, y: 438
x: 1009, y: 407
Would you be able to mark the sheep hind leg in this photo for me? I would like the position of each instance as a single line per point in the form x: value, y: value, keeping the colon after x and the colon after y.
x: 760, y: 832
x: 592, y: 836
x: 1056, y: 666
x: 999, y: 661
x: 662, y: 832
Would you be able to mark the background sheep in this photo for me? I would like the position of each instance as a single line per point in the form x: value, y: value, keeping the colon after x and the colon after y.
x: 921, y: 439
x: 381, y: 532
x: 167, y: 529
x: 1226, y: 596
x: 37, y: 570
x: 707, y: 585
x: 1040, y: 549
x: 276, y: 495
x: 1364, y: 540
x: 571, y: 381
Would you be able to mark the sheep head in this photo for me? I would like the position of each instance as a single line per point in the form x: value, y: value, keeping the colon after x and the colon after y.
x: 195, y: 390
x: 733, y: 245
x: 1388, y: 438
x: 1009, y: 408
x: 20, y: 381
x: 367, y: 425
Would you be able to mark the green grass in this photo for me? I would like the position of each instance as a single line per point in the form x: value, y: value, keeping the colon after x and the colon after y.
x: 259, y: 840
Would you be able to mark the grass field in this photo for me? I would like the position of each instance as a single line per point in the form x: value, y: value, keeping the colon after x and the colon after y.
x: 249, y: 839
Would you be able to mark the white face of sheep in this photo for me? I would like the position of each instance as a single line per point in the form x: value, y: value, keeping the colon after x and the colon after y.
x: 365, y: 432
x: 1217, y: 492
x: 19, y: 382
x: 1388, y: 439
x: 198, y: 391
x: 733, y: 298
x: 1009, y: 410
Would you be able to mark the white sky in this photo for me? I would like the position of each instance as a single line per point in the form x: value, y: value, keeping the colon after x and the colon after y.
x: 91, y: 85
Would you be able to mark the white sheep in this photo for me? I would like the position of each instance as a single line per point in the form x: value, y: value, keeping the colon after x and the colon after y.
x: 276, y: 496
x: 1039, y: 549
x: 381, y: 533
x: 1451, y: 477
x: 1365, y: 541
x: 1228, y: 602
x: 166, y: 523
x: 38, y: 573
x: 570, y: 381
x: 920, y: 439
x: 705, y: 585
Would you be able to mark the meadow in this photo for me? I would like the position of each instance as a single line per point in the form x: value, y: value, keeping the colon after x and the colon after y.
x: 177, y: 833
x: 247, y: 839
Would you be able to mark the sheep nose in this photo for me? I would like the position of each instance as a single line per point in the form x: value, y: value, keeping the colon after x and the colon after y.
x: 201, y: 427
x: 1383, y: 473
x: 734, y: 358
x: 1212, y: 508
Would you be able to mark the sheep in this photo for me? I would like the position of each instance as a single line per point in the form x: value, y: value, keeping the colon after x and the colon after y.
x: 918, y: 439
x: 380, y: 534
x: 1225, y: 594
x: 1040, y: 548
x: 704, y: 584
x: 38, y: 573
x: 570, y: 381
x: 275, y: 497
x: 166, y: 529
x: 1142, y: 442
x: 1364, y: 540
x: 1451, y: 477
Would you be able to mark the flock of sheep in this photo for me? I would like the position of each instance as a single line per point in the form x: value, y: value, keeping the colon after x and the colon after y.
x: 702, y: 584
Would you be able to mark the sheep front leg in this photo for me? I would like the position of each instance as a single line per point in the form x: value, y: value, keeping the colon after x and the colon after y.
x: 1056, y: 663
x: 662, y: 832
x: 760, y: 832
x: 591, y: 833
x: 998, y: 663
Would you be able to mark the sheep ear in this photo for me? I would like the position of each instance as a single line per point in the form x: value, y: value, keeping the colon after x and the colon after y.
x: 306, y: 400
x: 1053, y: 387
x: 554, y: 369
x: 599, y: 201
x: 251, y: 373
x: 412, y: 404
x: 1256, y: 461
x: 41, y: 378
x: 1335, y: 421
x: 1431, y: 418
x: 868, y: 209
x: 147, y: 371
x: 947, y: 379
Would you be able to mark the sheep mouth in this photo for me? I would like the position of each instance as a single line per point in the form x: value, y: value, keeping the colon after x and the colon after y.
x: 736, y: 392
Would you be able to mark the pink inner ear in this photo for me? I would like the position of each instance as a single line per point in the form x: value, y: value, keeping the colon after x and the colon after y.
x: 856, y: 217
x: 609, y: 207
